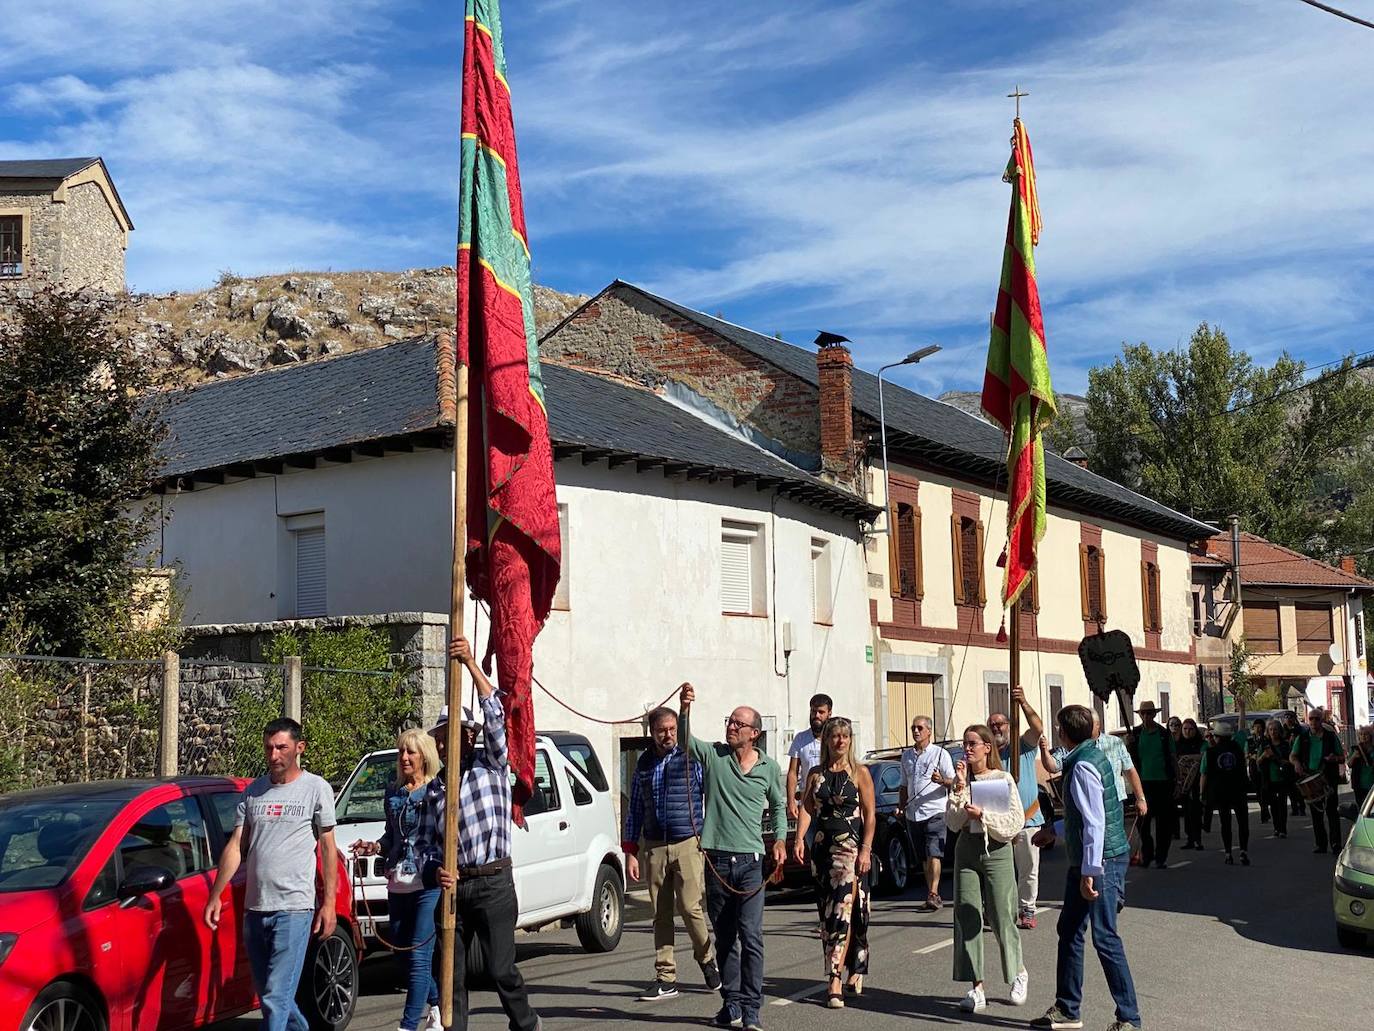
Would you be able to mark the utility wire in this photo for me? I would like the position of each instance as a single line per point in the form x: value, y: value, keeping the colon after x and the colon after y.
x: 1338, y: 13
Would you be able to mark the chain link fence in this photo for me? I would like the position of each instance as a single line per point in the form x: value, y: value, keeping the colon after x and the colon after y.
x: 66, y: 720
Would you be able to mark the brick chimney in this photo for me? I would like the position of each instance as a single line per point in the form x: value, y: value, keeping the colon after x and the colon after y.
x: 835, y: 368
x: 1348, y: 564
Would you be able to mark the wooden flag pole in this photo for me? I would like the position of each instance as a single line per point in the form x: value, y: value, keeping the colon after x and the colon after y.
x: 453, y: 764
x: 1014, y: 716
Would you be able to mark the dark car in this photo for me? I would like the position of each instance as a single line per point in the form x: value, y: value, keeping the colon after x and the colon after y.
x: 892, y: 854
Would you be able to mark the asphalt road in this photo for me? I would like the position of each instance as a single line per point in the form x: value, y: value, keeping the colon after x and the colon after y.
x: 1209, y: 946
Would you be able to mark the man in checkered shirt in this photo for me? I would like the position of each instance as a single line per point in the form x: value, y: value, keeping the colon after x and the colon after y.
x: 486, y: 903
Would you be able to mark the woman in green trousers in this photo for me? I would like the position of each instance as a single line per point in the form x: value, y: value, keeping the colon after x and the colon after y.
x: 984, y: 867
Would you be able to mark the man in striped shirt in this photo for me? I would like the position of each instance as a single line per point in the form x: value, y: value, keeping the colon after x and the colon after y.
x: 485, y: 897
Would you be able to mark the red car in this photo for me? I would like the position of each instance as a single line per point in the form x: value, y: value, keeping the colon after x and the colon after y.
x: 102, y: 890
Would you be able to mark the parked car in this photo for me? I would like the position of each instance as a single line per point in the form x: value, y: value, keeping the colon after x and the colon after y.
x: 102, y: 891
x: 892, y: 850
x: 1352, y: 889
x: 568, y: 866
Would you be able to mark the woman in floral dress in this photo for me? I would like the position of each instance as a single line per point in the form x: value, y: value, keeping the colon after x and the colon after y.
x: 839, y: 798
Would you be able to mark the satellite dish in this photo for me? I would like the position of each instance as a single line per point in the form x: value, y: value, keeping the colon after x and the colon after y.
x: 1335, y: 654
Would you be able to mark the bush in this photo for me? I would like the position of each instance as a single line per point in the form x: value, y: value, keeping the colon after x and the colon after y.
x: 353, y: 702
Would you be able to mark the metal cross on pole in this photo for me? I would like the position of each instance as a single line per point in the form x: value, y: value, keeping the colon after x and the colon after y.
x: 1017, y: 94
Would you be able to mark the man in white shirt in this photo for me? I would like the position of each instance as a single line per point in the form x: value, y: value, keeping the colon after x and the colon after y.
x: 927, y: 771
x: 805, y: 752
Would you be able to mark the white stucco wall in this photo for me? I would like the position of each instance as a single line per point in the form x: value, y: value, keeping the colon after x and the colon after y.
x: 643, y: 575
x: 387, y: 530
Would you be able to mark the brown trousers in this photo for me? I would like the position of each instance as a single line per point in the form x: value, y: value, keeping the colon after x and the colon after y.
x: 676, y: 874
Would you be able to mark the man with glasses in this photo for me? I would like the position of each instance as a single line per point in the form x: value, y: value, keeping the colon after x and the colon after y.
x: 927, y: 771
x: 1320, y: 751
x: 740, y: 784
x: 1032, y: 750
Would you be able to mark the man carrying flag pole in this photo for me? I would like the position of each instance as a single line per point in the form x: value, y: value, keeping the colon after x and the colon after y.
x: 505, y: 529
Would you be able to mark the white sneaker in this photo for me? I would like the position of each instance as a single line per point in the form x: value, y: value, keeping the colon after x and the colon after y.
x: 436, y: 1022
x: 974, y: 1001
x: 1019, y: 986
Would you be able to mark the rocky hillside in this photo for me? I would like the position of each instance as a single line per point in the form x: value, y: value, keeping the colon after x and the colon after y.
x: 240, y: 325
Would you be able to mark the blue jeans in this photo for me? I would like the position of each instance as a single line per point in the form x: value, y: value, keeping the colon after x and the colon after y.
x: 1101, y: 913
x: 276, y: 944
x: 412, y: 921
x: 738, y: 923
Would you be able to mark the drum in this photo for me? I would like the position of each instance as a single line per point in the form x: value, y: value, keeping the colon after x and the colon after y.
x: 1313, y: 788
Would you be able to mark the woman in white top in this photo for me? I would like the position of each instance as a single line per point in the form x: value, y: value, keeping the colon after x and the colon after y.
x: 984, y: 867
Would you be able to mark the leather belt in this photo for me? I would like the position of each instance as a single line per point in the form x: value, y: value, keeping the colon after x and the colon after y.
x: 485, y: 869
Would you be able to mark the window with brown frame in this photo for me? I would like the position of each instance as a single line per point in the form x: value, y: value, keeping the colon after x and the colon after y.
x: 967, y: 542
x: 1262, y: 627
x: 1316, y: 632
x: 1149, y: 597
x: 907, y: 574
x: 11, y: 245
x: 1092, y: 582
x: 1030, y: 598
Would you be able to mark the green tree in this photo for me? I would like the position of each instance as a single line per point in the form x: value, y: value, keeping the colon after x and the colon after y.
x: 1208, y: 431
x: 80, y: 448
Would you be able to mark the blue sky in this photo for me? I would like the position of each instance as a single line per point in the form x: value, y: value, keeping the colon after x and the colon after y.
x: 793, y: 165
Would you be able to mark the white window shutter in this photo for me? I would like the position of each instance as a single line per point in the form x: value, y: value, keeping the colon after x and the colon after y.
x: 310, y: 580
x: 736, y: 574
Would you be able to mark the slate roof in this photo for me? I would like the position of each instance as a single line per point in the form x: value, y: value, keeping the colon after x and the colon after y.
x: 303, y: 409
x: 1266, y: 564
x: 393, y: 392
x: 948, y: 440
x: 47, y: 168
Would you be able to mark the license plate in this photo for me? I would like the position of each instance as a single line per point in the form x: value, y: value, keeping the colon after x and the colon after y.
x: 367, y: 925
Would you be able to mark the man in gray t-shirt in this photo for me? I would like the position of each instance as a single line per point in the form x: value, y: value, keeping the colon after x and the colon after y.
x: 283, y: 820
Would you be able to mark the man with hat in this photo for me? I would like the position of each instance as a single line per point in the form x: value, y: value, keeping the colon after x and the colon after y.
x: 1225, y: 787
x: 485, y: 897
x: 1152, y: 751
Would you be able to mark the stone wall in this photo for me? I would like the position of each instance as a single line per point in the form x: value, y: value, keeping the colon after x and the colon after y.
x: 625, y: 333
x: 92, y: 241
x: 43, y: 221
x: 418, y: 642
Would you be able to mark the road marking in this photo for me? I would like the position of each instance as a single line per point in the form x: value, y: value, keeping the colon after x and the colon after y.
x: 1180, y: 866
x: 933, y: 948
x: 799, y: 996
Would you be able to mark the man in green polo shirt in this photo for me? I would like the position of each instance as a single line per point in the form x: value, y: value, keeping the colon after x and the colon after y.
x: 1152, y: 751
x: 1320, y: 751
x: 740, y: 783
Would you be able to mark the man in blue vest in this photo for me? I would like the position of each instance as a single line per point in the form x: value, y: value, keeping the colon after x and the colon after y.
x: 1099, y: 854
x: 665, y: 811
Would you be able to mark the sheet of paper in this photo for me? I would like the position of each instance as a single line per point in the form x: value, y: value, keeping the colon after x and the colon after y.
x: 992, y: 796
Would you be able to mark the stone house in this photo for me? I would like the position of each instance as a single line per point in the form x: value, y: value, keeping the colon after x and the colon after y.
x: 61, y: 221
x: 1301, y: 620
x: 323, y: 491
x: 1110, y: 556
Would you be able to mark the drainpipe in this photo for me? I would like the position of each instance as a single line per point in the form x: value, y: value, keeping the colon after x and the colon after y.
x: 1235, y: 559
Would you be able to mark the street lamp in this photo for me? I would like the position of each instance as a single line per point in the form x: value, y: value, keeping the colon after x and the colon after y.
x: 911, y: 359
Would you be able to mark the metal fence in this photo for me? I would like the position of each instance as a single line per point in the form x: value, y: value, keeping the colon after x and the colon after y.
x: 66, y: 720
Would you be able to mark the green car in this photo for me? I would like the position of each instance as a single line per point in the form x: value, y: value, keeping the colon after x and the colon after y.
x: 1352, y: 893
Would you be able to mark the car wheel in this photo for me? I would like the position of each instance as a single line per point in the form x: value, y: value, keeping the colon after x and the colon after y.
x: 896, y: 865
x: 64, y: 1007
x: 1351, y: 939
x: 599, y: 928
x: 329, y: 983
x: 475, y: 964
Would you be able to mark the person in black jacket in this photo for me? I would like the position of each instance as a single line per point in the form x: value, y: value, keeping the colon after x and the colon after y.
x: 1320, y: 751
x: 1225, y: 788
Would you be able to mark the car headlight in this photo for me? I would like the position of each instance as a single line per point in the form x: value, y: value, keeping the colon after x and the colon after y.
x: 7, y: 940
x: 1359, y: 857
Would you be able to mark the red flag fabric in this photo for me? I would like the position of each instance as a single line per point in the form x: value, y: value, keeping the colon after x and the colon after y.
x: 512, y: 519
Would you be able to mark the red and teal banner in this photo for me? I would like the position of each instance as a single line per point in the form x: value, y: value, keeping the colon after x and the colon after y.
x: 1017, y: 394
x: 512, y: 519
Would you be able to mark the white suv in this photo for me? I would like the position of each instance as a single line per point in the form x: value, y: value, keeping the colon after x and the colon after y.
x: 567, y: 861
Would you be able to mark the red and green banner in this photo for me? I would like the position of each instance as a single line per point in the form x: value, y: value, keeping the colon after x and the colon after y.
x: 512, y: 519
x: 1017, y: 394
